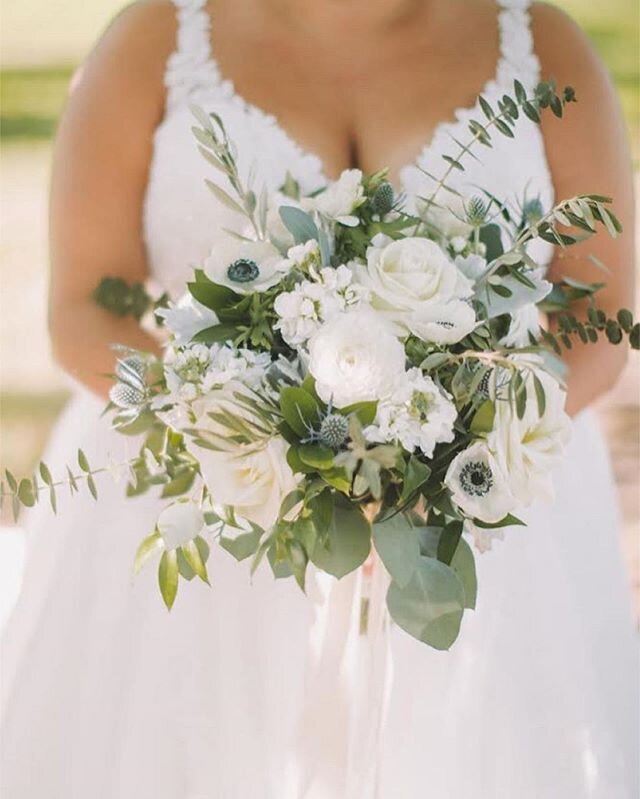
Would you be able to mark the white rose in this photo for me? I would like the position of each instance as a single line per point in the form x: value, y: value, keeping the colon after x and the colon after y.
x: 415, y: 284
x: 253, y: 480
x: 180, y: 523
x: 478, y: 486
x: 186, y: 318
x: 528, y: 449
x: 245, y: 266
x: 342, y: 197
x: 355, y: 357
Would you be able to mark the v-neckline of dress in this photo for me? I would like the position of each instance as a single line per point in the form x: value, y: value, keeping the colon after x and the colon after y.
x: 446, y: 126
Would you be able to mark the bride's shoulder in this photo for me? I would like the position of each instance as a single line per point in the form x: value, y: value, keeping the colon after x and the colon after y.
x: 562, y: 46
x: 125, y: 68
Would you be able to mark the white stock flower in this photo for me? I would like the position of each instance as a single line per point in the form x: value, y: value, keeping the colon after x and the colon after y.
x: 304, y: 256
x: 416, y: 285
x: 478, y: 485
x: 312, y: 302
x: 355, y: 357
x: 418, y: 414
x: 197, y: 369
x: 245, y: 266
x: 180, y: 523
x: 528, y: 449
x: 252, y: 479
x: 186, y: 318
x: 342, y: 197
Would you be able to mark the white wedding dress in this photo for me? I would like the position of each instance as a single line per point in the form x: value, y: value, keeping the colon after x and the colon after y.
x: 107, y: 696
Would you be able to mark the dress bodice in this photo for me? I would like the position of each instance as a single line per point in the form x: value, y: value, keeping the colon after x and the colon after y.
x: 181, y: 216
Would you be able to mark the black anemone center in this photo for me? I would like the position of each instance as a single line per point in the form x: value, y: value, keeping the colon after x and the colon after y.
x: 244, y: 270
x: 476, y: 479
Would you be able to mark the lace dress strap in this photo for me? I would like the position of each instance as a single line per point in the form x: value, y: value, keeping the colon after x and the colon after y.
x: 190, y: 68
x: 517, y: 49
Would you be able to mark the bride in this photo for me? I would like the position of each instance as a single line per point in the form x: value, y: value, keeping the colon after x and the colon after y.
x: 104, y: 694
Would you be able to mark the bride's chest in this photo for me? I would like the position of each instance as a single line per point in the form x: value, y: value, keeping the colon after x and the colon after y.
x: 182, y: 217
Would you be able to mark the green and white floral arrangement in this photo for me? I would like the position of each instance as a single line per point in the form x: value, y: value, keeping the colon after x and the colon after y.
x: 346, y: 375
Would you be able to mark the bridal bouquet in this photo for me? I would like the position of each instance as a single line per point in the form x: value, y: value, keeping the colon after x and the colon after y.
x: 343, y: 374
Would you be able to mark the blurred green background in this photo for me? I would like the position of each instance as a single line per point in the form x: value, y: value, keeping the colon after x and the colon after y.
x: 41, y: 42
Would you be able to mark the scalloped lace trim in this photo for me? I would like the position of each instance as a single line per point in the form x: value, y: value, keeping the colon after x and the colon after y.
x: 192, y: 70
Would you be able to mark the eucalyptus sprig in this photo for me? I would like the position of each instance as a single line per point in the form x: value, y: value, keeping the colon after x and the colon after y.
x: 214, y: 144
x: 502, y: 120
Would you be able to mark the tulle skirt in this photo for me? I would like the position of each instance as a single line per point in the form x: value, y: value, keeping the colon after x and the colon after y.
x: 107, y: 695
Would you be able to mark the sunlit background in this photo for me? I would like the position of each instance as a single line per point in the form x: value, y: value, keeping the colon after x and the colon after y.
x: 42, y: 42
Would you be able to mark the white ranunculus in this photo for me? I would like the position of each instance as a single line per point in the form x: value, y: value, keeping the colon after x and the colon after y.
x: 478, y: 486
x: 253, y: 480
x: 180, y: 523
x: 417, y: 286
x: 355, y: 357
x: 528, y: 449
x: 418, y: 415
x: 342, y: 197
x: 186, y: 318
x: 245, y: 266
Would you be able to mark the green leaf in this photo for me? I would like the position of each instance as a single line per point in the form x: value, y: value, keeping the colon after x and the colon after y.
x: 92, y: 487
x: 210, y: 294
x: 464, y: 565
x: 11, y: 480
x: 508, y: 521
x: 45, y: 473
x: 430, y: 607
x: 416, y: 474
x: 483, y: 418
x: 243, y: 545
x: 147, y: 547
x: 179, y: 485
x: 625, y: 319
x: 365, y: 411
x: 300, y: 410
x: 299, y: 224
x: 491, y: 237
x: 486, y: 108
x: 216, y: 334
x: 540, y: 395
x: 192, y: 555
x: 83, y: 462
x: 26, y: 493
x: 347, y: 543
x: 396, y: 541
x: 449, y: 539
x: 317, y: 456
x: 168, y: 576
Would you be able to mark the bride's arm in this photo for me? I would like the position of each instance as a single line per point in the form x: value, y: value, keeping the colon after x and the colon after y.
x: 100, y: 166
x: 588, y: 152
